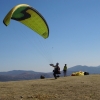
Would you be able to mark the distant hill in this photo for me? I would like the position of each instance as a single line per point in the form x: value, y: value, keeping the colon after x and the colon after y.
x: 17, y: 72
x: 16, y: 75
x: 90, y: 69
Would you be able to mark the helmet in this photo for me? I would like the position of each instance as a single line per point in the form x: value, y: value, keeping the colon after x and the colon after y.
x: 57, y: 63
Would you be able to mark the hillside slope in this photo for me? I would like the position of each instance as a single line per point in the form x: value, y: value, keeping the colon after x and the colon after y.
x: 64, y: 88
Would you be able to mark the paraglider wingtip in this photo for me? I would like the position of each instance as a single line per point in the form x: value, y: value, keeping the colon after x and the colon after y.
x: 4, y: 23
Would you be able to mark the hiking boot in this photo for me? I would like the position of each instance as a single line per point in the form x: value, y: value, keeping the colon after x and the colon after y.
x: 55, y: 77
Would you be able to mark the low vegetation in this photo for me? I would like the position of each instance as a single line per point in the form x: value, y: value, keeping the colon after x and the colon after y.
x: 63, y: 88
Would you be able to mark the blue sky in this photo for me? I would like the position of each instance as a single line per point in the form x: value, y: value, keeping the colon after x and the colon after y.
x: 74, y: 36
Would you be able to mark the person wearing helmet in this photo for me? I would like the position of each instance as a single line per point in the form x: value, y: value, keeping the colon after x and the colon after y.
x: 56, y: 70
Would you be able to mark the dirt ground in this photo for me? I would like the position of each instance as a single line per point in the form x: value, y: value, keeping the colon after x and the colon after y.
x: 63, y: 88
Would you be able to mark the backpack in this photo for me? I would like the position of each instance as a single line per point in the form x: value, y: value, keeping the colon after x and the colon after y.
x: 57, y: 70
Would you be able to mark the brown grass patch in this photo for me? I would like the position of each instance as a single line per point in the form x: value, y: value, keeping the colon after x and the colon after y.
x: 63, y: 88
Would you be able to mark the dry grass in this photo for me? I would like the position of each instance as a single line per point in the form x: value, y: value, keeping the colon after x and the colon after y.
x: 64, y: 88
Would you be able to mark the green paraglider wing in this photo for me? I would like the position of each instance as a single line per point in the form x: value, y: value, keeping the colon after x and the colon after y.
x: 30, y: 17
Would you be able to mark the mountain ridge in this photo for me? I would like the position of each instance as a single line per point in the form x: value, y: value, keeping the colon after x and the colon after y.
x: 16, y: 75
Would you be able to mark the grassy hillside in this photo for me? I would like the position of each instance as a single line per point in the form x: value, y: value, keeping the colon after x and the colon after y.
x: 64, y: 88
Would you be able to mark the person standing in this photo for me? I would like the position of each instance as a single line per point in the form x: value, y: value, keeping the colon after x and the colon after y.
x: 65, y: 70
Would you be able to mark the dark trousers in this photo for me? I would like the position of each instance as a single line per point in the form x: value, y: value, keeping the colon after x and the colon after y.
x: 54, y: 74
x: 65, y: 72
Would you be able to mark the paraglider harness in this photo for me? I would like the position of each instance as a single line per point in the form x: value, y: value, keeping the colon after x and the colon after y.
x: 57, y: 70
